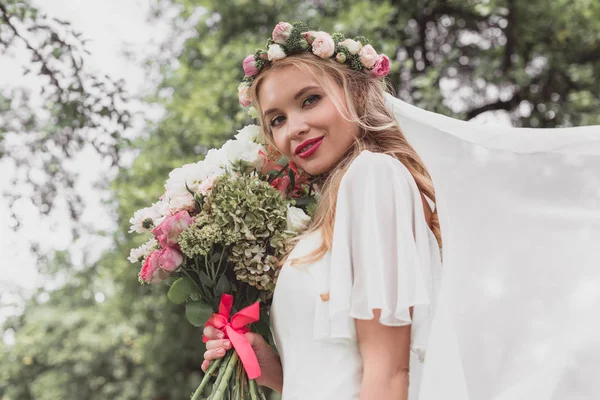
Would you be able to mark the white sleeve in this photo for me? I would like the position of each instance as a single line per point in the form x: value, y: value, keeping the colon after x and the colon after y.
x: 381, y: 253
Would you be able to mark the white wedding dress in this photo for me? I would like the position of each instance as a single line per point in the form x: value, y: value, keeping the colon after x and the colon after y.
x: 384, y: 256
x: 517, y: 315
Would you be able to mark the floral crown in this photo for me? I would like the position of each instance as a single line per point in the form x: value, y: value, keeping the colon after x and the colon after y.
x: 288, y: 39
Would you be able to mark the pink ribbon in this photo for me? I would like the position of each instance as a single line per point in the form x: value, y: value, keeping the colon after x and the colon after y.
x: 235, y: 330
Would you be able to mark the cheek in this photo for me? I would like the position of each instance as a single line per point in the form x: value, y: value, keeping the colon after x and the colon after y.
x: 281, y: 143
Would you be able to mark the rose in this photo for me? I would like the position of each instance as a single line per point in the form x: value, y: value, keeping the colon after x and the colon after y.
x: 352, y: 45
x: 249, y: 65
x: 309, y: 36
x: 282, y: 32
x: 244, y: 95
x: 297, y: 220
x: 275, y: 52
x: 368, y: 56
x: 168, y: 231
x: 169, y: 259
x: 150, y: 272
x: 381, y: 67
x: 323, y: 45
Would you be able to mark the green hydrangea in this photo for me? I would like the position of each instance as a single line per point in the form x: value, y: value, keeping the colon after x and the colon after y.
x: 244, y: 207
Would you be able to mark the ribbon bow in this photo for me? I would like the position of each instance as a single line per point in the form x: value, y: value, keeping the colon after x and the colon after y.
x: 235, y: 330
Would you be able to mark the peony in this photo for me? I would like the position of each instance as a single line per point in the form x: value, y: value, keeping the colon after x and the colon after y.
x: 250, y: 133
x: 243, y: 150
x: 275, y: 52
x: 168, y: 231
x: 169, y: 259
x: 143, y: 251
x: 282, y: 32
x: 249, y: 65
x: 352, y: 45
x: 323, y: 45
x: 297, y: 220
x: 381, y: 67
x: 151, y: 272
x: 244, y: 95
x: 368, y: 56
x: 309, y: 36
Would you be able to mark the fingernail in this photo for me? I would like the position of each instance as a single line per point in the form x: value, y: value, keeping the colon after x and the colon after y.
x: 220, y: 351
x: 220, y: 335
x: 226, y: 344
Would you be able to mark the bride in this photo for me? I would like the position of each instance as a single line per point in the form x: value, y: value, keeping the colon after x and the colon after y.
x: 360, y: 310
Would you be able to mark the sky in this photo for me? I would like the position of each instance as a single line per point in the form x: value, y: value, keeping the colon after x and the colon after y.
x: 113, y: 27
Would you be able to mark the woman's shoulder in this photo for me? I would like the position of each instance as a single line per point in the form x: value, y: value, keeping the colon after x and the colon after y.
x: 370, y: 166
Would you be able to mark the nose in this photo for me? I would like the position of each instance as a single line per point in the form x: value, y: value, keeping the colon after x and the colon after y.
x: 297, y: 126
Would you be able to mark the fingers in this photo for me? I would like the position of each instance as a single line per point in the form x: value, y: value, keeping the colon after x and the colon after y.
x: 213, y: 333
x: 205, y: 365
x: 215, y: 344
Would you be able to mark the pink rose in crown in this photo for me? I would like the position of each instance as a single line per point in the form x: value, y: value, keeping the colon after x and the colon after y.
x: 150, y: 272
x: 382, y: 66
x: 169, y: 259
x: 309, y: 36
x: 168, y: 231
x: 282, y: 32
x: 368, y: 56
x: 323, y: 45
x: 249, y: 65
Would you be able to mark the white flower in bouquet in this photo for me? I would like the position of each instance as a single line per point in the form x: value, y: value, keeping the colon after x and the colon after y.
x: 144, y: 220
x: 244, y: 150
x: 215, y: 163
x: 249, y: 133
x: 139, y: 253
x: 297, y: 220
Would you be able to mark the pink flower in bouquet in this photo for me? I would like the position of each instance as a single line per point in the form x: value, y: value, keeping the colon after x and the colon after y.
x: 282, y: 32
x: 381, y: 67
x: 150, y: 272
x: 249, y: 65
x: 168, y: 231
x: 169, y: 259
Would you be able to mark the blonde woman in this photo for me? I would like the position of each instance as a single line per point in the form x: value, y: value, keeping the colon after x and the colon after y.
x: 354, y: 300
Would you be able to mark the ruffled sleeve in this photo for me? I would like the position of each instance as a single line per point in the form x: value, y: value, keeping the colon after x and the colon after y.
x: 381, y: 256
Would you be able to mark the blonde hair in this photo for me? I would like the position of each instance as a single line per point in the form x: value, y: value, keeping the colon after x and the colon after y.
x: 378, y: 132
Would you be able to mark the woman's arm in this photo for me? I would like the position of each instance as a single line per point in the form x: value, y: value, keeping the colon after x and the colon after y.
x: 385, y: 352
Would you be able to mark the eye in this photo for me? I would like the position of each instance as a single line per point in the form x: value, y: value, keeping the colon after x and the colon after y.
x: 311, y: 100
x: 275, y: 122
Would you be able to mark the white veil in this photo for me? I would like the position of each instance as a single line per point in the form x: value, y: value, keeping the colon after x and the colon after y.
x: 519, y: 309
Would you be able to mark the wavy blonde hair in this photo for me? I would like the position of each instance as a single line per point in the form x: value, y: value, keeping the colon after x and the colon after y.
x: 378, y: 132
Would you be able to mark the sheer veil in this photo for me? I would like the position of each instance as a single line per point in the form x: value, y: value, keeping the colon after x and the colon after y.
x: 519, y: 308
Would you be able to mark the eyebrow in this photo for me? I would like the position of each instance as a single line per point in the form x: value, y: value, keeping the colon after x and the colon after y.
x: 300, y: 93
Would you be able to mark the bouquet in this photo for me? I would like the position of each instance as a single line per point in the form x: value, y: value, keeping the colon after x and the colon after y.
x: 218, y: 234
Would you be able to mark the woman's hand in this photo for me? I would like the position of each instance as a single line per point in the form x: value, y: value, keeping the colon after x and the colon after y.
x: 268, y: 359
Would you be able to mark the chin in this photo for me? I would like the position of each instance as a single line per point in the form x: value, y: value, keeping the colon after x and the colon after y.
x: 314, y: 167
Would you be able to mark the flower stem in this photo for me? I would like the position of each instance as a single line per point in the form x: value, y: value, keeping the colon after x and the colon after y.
x: 226, y: 376
x: 213, y: 365
x: 253, y: 390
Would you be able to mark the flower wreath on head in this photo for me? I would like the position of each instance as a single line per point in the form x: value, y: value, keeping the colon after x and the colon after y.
x: 288, y: 39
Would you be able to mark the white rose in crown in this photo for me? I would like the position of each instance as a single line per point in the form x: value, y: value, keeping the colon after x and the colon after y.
x: 297, y: 220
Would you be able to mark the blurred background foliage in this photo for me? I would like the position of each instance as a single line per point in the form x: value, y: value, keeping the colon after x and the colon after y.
x: 98, y: 334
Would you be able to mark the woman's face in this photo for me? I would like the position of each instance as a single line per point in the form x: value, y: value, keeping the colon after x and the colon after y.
x: 306, y: 125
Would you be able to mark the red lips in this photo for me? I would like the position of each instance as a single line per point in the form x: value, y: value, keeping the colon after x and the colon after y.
x: 306, y: 143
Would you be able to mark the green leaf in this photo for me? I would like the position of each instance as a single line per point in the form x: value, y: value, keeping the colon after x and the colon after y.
x: 205, y: 279
x: 198, y: 313
x: 181, y: 289
x: 222, y: 286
